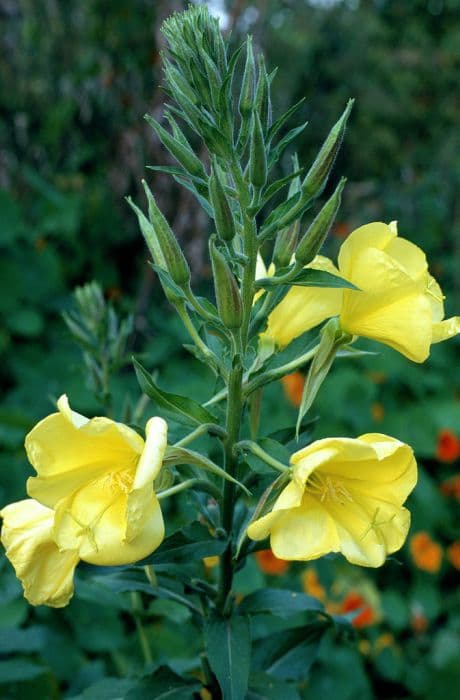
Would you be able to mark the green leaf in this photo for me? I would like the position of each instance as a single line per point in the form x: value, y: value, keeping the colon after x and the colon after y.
x: 264, y: 687
x: 181, y: 408
x: 14, y: 670
x: 288, y: 655
x: 278, y: 185
x: 279, y: 602
x: 276, y: 126
x: 228, y: 642
x: 276, y: 153
x: 26, y: 640
x: 163, y: 685
x: 190, y: 543
x: 309, y: 278
x: 320, y: 278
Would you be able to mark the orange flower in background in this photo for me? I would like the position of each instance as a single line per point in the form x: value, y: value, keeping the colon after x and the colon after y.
x: 355, y: 601
x: 453, y: 554
x: 451, y: 487
x: 377, y: 411
x: 448, y: 447
x: 312, y: 585
x: 293, y: 387
x: 426, y: 553
x: 270, y: 564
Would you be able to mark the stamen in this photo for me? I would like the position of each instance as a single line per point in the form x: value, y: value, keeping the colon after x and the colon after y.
x: 328, y: 488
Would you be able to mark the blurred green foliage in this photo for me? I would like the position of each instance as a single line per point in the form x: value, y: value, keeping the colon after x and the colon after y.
x: 76, y: 80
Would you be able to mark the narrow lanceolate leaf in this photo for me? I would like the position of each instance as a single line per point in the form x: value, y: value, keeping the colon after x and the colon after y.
x: 228, y: 643
x: 183, y: 154
x: 181, y: 455
x: 308, y: 277
x: 181, y: 408
x: 279, y: 602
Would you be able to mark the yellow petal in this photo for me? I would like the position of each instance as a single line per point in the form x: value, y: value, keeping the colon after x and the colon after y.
x: 373, y: 463
x: 409, y: 256
x: 375, y: 235
x: 369, y: 529
x: 446, y: 329
x: 94, y: 521
x: 45, y: 572
x: 151, y: 459
x: 304, y: 308
x: 290, y: 497
x: 304, y: 533
x: 68, y: 450
x: 435, y: 297
x: 391, y: 307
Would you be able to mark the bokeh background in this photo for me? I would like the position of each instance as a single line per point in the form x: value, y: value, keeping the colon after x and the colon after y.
x: 76, y: 79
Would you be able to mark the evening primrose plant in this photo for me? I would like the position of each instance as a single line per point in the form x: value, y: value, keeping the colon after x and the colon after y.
x: 100, y: 484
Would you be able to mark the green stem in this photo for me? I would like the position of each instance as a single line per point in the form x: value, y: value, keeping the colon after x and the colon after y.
x: 146, y: 651
x: 199, y: 484
x: 234, y: 412
x: 278, y: 372
x: 181, y: 310
x: 250, y: 446
x: 209, y: 428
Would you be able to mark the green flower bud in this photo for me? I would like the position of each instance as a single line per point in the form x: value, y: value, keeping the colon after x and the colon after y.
x: 223, y: 216
x: 285, y: 245
x: 257, y: 155
x: 246, y: 99
x: 228, y: 296
x: 263, y: 103
x: 176, y: 263
x: 317, y: 176
x: 313, y: 239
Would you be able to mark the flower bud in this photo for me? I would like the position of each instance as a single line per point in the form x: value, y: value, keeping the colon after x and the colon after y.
x: 246, y: 99
x: 312, y: 241
x: 257, y: 155
x: 316, y: 178
x: 263, y: 104
x: 223, y: 216
x: 226, y: 289
x: 176, y: 263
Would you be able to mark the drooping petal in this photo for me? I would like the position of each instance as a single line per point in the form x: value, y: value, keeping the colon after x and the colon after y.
x: 304, y: 533
x: 68, y: 450
x: 151, y: 459
x: 446, y: 329
x: 45, y: 572
x: 304, y: 308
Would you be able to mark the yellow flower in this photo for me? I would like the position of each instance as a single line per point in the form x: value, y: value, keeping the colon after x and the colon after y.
x: 97, y: 475
x: 93, y: 499
x: 345, y: 495
x: 45, y: 572
x: 399, y: 302
x: 304, y: 308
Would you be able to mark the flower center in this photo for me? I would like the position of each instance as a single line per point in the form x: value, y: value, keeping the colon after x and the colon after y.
x: 327, y: 488
x: 119, y: 481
